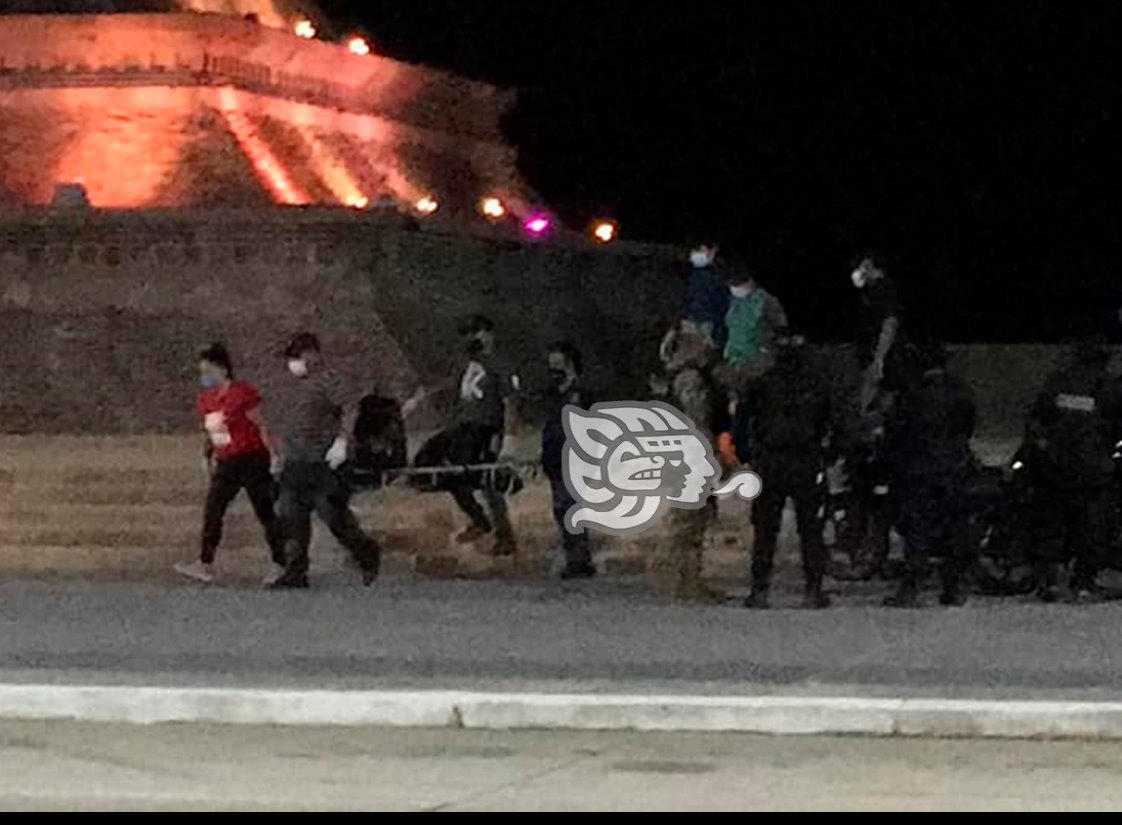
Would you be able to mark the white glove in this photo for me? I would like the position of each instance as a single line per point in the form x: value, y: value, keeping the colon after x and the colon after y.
x: 337, y: 455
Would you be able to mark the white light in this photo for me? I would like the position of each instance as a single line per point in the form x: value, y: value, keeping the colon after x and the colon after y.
x: 427, y: 205
x: 1018, y: 465
x: 605, y: 231
x: 305, y: 28
x: 492, y: 208
x: 358, y: 45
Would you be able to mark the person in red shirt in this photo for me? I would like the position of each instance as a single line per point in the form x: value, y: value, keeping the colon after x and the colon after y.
x: 237, y: 457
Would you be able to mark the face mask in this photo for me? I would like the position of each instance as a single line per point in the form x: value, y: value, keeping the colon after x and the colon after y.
x: 859, y: 278
x: 740, y: 291
x: 559, y: 377
x: 209, y: 381
x: 298, y: 367
x: 700, y: 259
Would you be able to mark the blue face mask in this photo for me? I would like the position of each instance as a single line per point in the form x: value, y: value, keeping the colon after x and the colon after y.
x: 209, y: 382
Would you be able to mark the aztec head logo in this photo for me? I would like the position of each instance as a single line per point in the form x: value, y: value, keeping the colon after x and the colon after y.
x: 626, y: 462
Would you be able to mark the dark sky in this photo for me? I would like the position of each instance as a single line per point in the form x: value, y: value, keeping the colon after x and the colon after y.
x: 975, y: 142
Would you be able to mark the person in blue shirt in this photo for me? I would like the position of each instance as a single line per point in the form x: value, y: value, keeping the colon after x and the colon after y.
x: 707, y: 296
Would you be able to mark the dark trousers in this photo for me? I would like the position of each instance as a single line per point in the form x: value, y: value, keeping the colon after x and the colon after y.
x: 471, y: 444
x: 934, y: 520
x: 307, y: 488
x: 869, y: 512
x: 578, y: 548
x: 230, y: 476
x: 1072, y: 524
x: 796, y: 477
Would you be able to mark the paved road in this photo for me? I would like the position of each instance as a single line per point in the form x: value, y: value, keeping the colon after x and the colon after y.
x: 449, y: 634
x: 83, y: 767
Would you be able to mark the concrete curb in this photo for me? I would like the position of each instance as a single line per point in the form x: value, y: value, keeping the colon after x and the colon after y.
x: 560, y: 711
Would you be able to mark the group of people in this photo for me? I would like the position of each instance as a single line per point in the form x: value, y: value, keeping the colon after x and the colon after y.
x: 288, y: 475
x: 897, y: 445
x: 900, y: 439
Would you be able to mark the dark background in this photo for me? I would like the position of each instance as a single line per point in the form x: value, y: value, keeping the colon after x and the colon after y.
x: 975, y: 143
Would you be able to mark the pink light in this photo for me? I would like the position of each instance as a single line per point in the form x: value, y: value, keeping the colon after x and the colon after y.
x: 537, y: 225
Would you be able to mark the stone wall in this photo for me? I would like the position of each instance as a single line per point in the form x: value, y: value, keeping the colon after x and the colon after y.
x: 103, y: 312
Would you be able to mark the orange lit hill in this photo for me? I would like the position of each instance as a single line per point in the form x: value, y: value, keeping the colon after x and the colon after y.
x: 189, y: 109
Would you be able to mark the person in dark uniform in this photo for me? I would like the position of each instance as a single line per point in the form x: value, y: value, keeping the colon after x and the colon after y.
x: 1071, y: 431
x: 930, y: 437
x: 788, y: 415
x: 883, y: 355
x: 565, y: 368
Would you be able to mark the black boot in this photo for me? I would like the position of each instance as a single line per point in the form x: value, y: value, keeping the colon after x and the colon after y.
x: 906, y: 596
x: 815, y: 599
x: 952, y: 597
x: 757, y: 599
x: 290, y: 582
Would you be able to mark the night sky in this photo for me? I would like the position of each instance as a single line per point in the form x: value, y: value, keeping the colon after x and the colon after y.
x: 974, y: 143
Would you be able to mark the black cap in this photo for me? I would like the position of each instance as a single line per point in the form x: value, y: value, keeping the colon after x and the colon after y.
x: 300, y: 343
x: 474, y: 324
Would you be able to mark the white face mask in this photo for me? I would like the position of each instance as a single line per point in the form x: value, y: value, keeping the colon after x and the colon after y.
x: 700, y: 259
x: 741, y: 291
x: 298, y: 367
x: 859, y: 278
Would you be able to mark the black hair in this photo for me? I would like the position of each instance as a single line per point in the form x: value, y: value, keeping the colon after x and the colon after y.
x: 301, y: 343
x: 570, y: 351
x: 474, y: 324
x: 218, y: 355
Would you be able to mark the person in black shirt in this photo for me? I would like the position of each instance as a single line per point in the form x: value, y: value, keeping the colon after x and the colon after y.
x: 1072, y: 430
x: 788, y: 415
x: 930, y: 451
x: 565, y: 367
x: 478, y: 430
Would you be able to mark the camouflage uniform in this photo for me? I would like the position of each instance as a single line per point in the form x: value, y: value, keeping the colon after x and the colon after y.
x: 688, y: 355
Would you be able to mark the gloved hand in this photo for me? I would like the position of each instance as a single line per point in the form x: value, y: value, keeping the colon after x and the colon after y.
x: 276, y: 464
x: 337, y: 454
x: 503, y: 447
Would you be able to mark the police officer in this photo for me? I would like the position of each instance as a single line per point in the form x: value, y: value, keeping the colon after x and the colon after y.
x: 930, y: 447
x: 565, y: 370
x: 788, y: 421
x: 1071, y: 433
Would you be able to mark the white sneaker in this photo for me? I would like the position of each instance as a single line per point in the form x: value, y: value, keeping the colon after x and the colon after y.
x: 275, y: 572
x: 196, y: 570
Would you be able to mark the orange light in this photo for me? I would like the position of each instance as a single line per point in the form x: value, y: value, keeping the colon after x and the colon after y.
x: 605, y: 231
x: 305, y: 28
x: 492, y: 208
x: 268, y: 164
x: 358, y: 45
x: 427, y: 205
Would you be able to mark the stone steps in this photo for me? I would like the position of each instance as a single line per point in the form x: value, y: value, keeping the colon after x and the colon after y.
x: 133, y: 507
